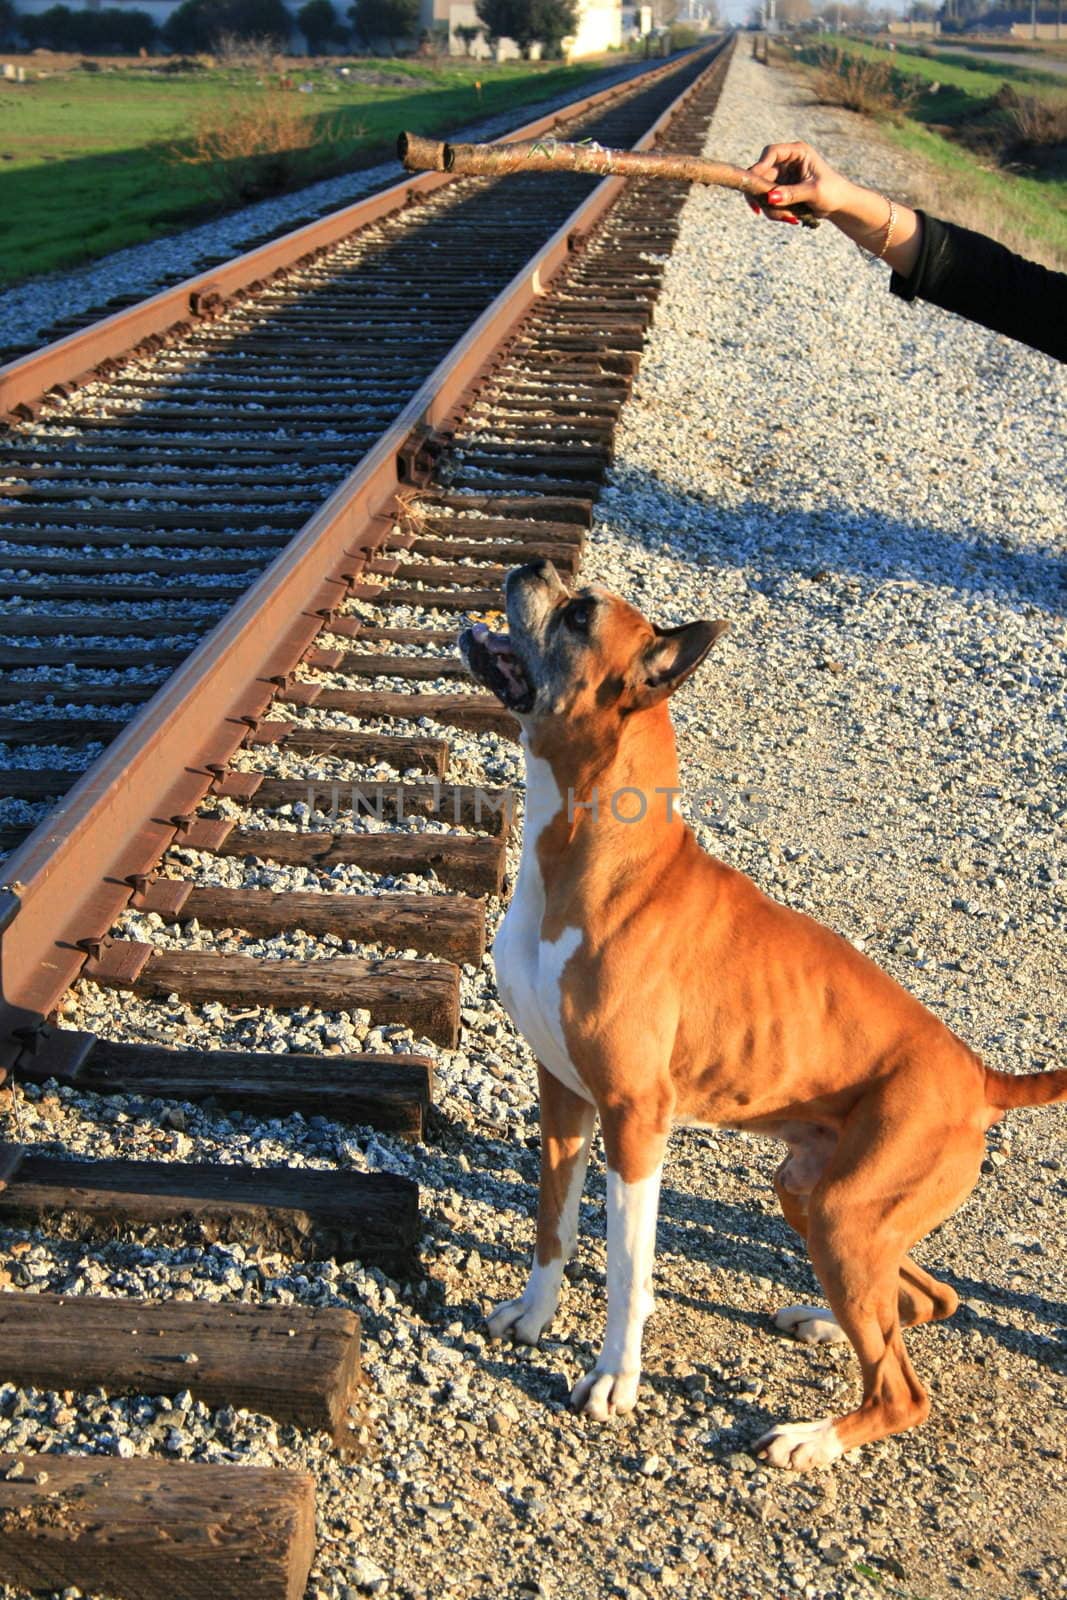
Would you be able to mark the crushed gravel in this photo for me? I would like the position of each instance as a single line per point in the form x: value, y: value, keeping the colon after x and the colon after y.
x: 869, y: 493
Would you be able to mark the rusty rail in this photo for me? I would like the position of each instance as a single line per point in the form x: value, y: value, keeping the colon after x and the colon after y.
x: 73, y: 876
x: 77, y: 357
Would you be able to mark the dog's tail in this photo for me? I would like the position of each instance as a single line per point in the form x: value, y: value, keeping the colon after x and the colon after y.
x: 1005, y: 1091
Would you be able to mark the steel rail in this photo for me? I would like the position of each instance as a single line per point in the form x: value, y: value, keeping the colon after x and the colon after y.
x: 71, y: 878
x: 25, y: 382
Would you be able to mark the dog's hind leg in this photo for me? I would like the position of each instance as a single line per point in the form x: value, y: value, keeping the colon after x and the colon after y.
x: 876, y: 1198
x: 566, y: 1129
x: 809, y: 1324
x: 921, y: 1298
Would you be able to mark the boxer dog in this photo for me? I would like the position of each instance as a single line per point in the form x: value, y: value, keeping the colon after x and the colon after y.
x: 657, y: 986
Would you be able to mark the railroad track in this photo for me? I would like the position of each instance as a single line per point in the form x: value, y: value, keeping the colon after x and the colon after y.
x: 325, y: 455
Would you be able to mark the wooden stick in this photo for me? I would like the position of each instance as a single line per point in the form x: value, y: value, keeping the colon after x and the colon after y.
x: 552, y: 155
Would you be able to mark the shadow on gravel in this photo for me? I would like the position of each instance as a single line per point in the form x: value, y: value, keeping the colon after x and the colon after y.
x: 735, y: 1238
x: 784, y: 545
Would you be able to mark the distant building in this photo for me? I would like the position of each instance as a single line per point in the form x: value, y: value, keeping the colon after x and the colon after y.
x: 914, y: 28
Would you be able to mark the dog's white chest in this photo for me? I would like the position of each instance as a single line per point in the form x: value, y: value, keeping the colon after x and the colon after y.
x: 529, y: 969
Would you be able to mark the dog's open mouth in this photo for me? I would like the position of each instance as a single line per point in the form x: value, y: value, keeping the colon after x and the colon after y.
x: 492, y: 661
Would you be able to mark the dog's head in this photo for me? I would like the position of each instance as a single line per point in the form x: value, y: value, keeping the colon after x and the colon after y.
x: 580, y: 655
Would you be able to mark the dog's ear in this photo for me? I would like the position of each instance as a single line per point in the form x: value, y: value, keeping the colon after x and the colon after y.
x: 673, y: 654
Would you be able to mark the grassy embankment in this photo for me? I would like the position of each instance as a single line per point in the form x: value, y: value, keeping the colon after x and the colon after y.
x: 961, y: 120
x: 87, y: 159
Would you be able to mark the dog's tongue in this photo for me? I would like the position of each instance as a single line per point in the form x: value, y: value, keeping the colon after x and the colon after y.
x: 499, y: 647
x: 497, y: 643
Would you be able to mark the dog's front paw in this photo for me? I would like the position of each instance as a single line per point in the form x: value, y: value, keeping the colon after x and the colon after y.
x: 799, y: 1446
x: 525, y: 1319
x: 601, y: 1394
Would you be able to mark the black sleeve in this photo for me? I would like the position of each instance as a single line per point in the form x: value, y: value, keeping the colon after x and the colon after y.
x: 967, y: 273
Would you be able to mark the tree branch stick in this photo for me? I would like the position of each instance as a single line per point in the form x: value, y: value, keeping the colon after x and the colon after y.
x: 552, y: 155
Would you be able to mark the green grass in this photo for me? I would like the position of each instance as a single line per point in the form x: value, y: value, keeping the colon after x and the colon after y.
x: 968, y: 83
x: 971, y: 74
x: 1026, y: 209
x: 1027, y: 213
x: 86, y: 164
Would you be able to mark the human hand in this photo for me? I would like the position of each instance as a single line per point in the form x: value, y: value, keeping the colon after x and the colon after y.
x: 799, y: 180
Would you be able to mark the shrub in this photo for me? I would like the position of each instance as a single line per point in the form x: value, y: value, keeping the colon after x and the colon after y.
x: 1037, y: 121
x: 870, y: 87
x: 251, y: 142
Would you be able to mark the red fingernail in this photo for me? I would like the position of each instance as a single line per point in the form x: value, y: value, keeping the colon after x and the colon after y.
x: 754, y: 208
x: 774, y: 198
x: 794, y: 220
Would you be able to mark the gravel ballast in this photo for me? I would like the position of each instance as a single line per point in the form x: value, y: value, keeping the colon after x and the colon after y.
x: 869, y: 492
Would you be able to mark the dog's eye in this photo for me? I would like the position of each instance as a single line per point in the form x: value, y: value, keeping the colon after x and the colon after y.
x: 577, y: 615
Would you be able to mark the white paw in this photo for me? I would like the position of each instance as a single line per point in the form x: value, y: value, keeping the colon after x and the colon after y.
x: 799, y: 1446
x: 525, y: 1319
x: 810, y: 1324
x: 601, y: 1395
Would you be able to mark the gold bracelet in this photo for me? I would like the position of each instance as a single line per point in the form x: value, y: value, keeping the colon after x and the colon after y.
x: 889, y: 227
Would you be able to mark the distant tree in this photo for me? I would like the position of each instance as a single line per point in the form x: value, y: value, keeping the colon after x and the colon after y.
x: 127, y: 32
x: 467, y: 33
x: 321, y: 26
x: 552, y: 22
x: 197, y: 24
x: 8, y: 22
x: 108, y: 32
x: 503, y: 19
x: 41, y: 32
x: 528, y: 22
x: 391, y: 20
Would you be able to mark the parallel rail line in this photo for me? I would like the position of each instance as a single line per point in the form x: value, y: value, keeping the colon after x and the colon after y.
x: 475, y: 444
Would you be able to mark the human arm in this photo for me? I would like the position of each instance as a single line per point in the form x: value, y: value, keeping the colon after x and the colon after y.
x: 950, y: 266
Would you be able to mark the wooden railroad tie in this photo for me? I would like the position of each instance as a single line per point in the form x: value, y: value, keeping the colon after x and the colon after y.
x: 298, y: 1364
x: 473, y: 862
x: 422, y: 995
x: 460, y: 803
x: 422, y: 753
x: 451, y: 926
x: 480, y: 713
x: 140, y: 1530
x: 392, y: 1092
x: 370, y: 1217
